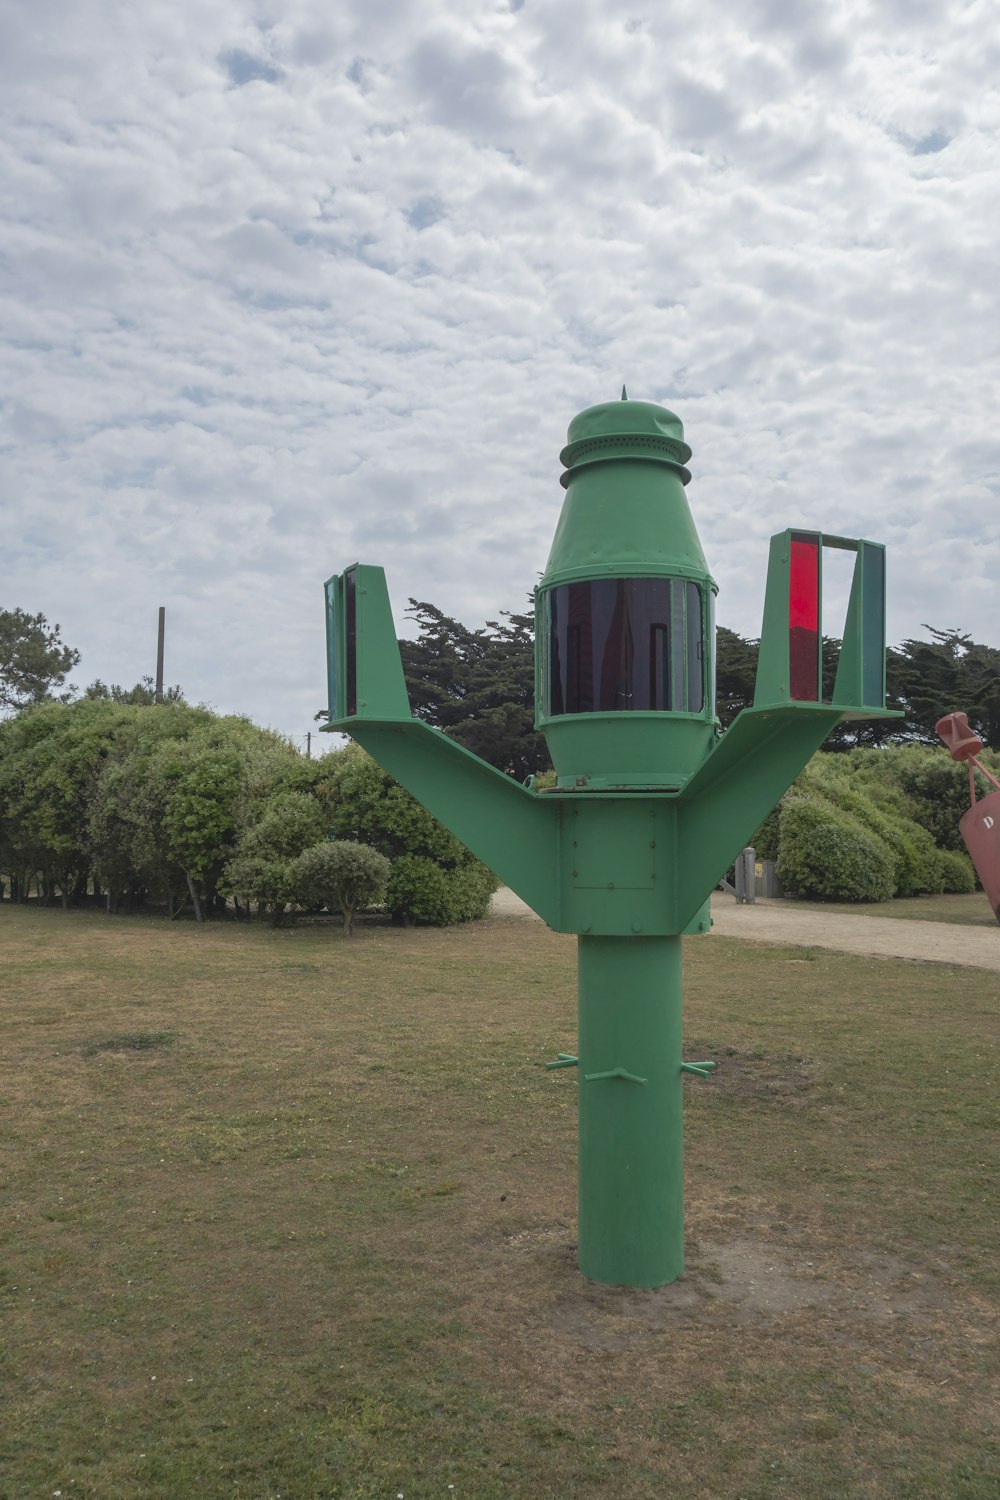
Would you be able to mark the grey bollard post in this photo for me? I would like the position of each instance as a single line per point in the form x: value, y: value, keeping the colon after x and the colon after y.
x: 746, y: 886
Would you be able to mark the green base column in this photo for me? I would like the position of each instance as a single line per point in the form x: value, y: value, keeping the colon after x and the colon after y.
x: 631, y: 1167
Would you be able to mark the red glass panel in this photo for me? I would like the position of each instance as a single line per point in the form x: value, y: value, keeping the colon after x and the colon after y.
x: 803, y: 619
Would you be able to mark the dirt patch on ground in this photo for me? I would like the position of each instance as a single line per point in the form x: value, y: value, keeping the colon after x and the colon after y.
x: 754, y: 1281
x: 782, y: 923
x: 752, y: 1075
x: 732, y: 1284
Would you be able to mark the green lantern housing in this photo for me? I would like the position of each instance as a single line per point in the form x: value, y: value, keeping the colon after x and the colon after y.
x: 652, y: 802
x: 625, y: 611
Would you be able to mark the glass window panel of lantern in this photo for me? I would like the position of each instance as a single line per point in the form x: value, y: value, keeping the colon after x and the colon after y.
x: 695, y: 650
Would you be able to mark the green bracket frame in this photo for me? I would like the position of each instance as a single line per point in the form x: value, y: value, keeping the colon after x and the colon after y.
x: 859, y: 688
x: 510, y: 828
x: 364, y: 671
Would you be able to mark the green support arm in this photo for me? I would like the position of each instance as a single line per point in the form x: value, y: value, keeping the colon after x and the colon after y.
x: 510, y: 829
x: 731, y: 794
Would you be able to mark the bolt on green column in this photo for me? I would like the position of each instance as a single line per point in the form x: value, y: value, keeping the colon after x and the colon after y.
x: 652, y: 802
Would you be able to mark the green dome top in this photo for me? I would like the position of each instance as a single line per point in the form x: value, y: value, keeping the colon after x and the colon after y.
x: 626, y: 429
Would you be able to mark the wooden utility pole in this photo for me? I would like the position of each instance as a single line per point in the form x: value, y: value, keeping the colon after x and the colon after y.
x: 159, y: 654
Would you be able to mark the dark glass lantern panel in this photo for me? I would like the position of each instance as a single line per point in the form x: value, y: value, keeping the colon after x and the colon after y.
x: 617, y: 644
x: 873, y: 616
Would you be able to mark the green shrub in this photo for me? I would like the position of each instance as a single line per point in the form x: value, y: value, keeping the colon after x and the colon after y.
x: 801, y: 811
x: 824, y: 859
x: 906, y: 799
x: 261, y: 870
x: 936, y: 790
x: 933, y: 790
x: 470, y: 889
x: 916, y: 868
x: 341, y: 875
x: 420, y: 890
x: 765, y: 840
x: 878, y: 808
x: 434, y: 877
x: 255, y: 878
x: 958, y: 878
x: 369, y: 807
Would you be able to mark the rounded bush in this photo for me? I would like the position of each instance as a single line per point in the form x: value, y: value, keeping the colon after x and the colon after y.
x: 470, y: 888
x: 908, y: 799
x: 261, y: 879
x: 958, y: 878
x: 935, y: 788
x: 857, y: 798
x: 369, y: 807
x: 261, y: 868
x: 916, y: 867
x: 341, y: 875
x: 420, y: 890
x: 828, y: 861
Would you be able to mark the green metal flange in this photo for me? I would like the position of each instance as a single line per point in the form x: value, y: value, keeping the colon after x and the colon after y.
x: 563, y: 1060
x: 614, y: 1073
x: 699, y: 1069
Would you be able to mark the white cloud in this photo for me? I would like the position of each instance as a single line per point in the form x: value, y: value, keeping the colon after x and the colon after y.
x: 276, y: 296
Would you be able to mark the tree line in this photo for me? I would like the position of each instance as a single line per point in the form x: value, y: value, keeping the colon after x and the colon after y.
x: 116, y: 796
x: 133, y: 805
x: 479, y: 686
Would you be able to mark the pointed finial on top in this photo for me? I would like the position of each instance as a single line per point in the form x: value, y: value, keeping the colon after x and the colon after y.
x: 624, y: 394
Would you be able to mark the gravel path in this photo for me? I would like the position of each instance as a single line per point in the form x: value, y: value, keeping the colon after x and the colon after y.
x: 780, y: 922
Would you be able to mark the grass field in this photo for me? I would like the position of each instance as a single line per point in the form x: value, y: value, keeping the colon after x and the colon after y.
x: 290, y: 1215
x: 966, y: 911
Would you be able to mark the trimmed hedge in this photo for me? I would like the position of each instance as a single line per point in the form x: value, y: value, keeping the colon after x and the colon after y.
x: 434, y: 879
x: 911, y: 847
x: 932, y: 787
x: 826, y: 859
x: 420, y: 890
x: 958, y: 878
x: 868, y: 798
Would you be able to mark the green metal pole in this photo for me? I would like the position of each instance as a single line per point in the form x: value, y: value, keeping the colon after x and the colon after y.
x: 631, y: 1168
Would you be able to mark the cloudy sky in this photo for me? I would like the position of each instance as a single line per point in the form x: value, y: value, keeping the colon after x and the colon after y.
x: 284, y: 288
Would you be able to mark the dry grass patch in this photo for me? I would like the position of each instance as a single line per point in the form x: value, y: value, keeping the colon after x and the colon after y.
x: 318, y: 1239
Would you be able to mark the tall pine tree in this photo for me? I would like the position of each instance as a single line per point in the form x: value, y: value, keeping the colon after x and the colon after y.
x: 477, y: 685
